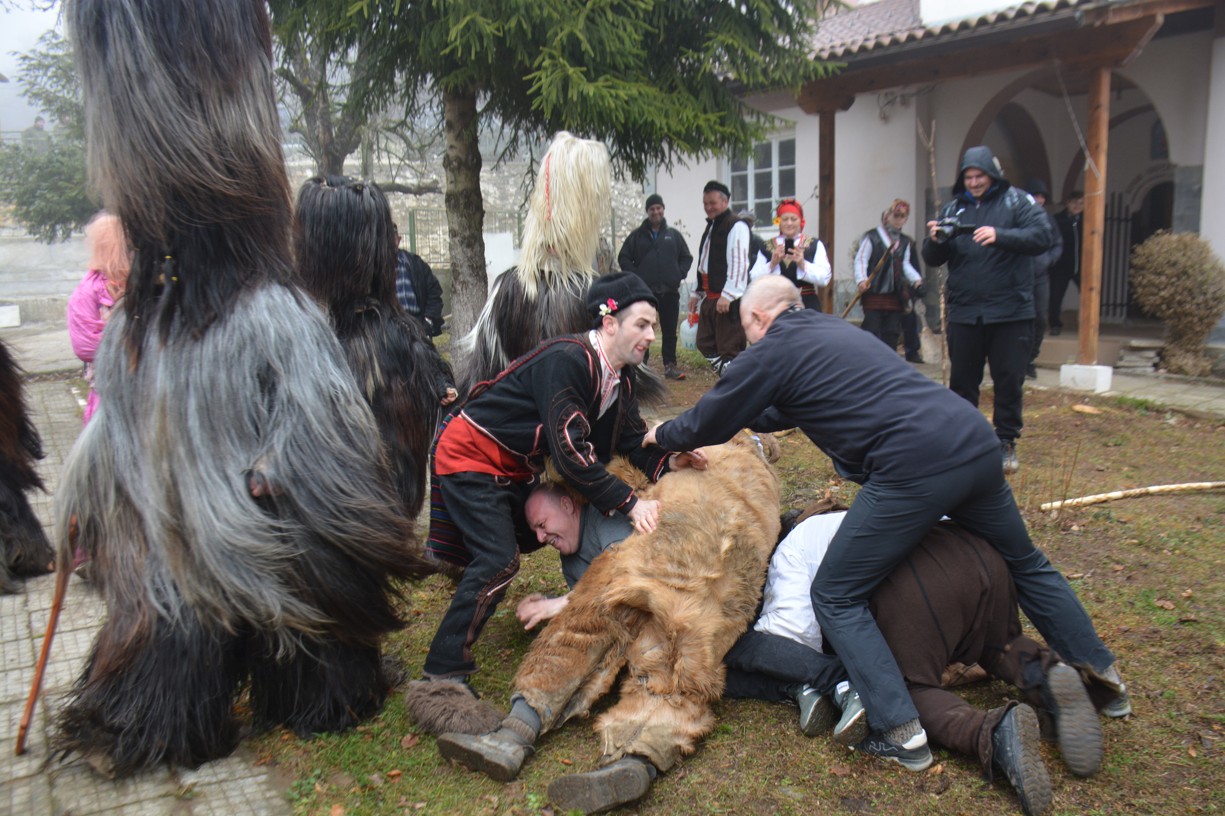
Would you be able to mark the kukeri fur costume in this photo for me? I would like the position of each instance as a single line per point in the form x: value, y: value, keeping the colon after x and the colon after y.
x: 345, y: 249
x: 24, y: 549
x: 232, y: 488
x: 543, y: 296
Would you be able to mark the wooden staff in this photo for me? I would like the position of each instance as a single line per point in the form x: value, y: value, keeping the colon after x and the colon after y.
x: 57, y: 603
x: 1154, y: 490
x: 879, y: 266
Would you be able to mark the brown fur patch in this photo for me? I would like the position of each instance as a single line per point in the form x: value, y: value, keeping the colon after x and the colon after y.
x: 443, y: 707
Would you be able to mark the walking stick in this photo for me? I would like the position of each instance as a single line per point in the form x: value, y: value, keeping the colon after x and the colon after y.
x: 879, y: 266
x: 57, y: 603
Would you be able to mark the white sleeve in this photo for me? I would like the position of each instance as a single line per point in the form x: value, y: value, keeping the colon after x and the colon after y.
x: 738, y: 266
x: 861, y: 260
x: 817, y: 271
x: 908, y: 269
x: 787, y: 600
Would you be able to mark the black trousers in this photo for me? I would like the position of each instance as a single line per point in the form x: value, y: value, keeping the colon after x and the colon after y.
x: 669, y: 319
x: 488, y: 510
x: 764, y: 666
x: 1005, y: 348
x: 887, y: 325
x: 1042, y: 302
x: 1059, y: 288
x: 910, y: 331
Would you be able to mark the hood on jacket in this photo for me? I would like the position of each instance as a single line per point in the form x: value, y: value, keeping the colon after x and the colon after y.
x: 982, y: 158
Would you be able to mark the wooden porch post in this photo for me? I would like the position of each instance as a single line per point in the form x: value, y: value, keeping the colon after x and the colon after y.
x: 1098, y: 138
x: 825, y: 198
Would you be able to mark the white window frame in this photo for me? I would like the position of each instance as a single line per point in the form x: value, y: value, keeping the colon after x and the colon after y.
x: 762, y: 206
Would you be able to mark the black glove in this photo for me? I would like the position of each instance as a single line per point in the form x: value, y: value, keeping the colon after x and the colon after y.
x: 920, y: 291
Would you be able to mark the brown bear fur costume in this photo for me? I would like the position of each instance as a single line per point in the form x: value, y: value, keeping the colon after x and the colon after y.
x: 666, y: 606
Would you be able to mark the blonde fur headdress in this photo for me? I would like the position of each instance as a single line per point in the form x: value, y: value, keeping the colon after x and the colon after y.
x: 569, y: 205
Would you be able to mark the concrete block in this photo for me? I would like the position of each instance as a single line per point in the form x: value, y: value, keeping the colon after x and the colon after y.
x: 1095, y: 378
x: 10, y: 315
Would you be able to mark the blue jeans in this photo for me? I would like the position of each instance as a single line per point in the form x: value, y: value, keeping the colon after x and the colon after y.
x: 886, y: 522
x: 765, y: 666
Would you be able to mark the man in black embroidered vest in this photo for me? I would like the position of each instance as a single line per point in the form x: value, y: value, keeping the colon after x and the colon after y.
x: 723, y: 275
x: 572, y: 398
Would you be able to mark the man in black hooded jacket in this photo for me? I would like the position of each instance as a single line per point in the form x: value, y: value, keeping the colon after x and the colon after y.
x: 990, y: 288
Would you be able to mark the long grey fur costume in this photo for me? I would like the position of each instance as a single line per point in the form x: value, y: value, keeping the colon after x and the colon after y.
x: 232, y: 489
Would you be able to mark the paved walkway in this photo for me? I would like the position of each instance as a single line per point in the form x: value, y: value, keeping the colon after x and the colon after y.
x: 36, y: 784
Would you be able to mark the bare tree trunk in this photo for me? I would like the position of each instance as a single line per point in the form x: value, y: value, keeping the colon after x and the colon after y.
x: 465, y: 209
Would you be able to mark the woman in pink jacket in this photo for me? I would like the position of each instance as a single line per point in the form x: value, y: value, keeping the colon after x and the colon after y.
x: 96, y: 295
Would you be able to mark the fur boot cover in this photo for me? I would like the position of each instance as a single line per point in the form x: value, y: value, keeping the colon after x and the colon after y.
x: 24, y: 548
x: 449, y: 707
x: 666, y: 607
x: 232, y: 489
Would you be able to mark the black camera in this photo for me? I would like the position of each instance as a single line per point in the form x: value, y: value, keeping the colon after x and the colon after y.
x: 950, y: 227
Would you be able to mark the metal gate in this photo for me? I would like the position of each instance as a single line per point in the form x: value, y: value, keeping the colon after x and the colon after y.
x: 1116, y: 260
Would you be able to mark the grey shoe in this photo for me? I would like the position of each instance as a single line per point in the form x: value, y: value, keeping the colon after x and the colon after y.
x: 1076, y: 725
x: 817, y: 711
x: 1008, y: 450
x: 852, y: 727
x: 1014, y: 744
x: 1108, y: 691
x: 620, y: 783
x: 499, y: 755
x: 913, y: 755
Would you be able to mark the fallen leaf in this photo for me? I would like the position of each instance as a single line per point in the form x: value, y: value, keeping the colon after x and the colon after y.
x: 338, y: 810
x: 1163, y: 603
x: 567, y: 762
x: 840, y: 770
x: 1072, y: 576
x: 1188, y: 619
x: 1187, y: 593
x: 1192, y: 751
x: 1081, y: 408
x: 410, y: 742
x: 936, y: 769
x: 395, y: 774
x: 375, y: 780
x: 1118, y: 567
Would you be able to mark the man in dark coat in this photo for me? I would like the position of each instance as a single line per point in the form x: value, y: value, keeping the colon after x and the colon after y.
x: 658, y: 254
x: 1067, y: 269
x: 990, y: 286
x: 873, y: 415
x: 1042, y: 280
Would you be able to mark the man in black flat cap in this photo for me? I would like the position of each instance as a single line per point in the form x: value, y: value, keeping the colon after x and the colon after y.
x: 572, y: 398
x: 659, y: 255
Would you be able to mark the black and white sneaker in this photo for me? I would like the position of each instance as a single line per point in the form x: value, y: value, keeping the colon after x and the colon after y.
x: 817, y: 711
x: 913, y: 755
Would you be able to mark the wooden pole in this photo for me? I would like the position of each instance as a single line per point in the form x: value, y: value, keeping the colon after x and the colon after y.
x: 825, y: 195
x: 1098, y: 138
x: 57, y: 603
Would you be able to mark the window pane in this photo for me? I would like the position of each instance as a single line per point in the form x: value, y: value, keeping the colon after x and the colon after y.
x: 786, y: 152
x: 739, y: 164
x: 763, y: 154
x: 763, y: 185
x: 764, y: 212
x: 786, y: 183
x: 740, y: 186
x: 737, y: 206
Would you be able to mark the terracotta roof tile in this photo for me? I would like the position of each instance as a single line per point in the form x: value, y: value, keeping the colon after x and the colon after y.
x: 894, y: 22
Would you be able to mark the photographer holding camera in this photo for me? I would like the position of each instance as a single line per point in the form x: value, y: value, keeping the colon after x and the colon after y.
x: 987, y: 235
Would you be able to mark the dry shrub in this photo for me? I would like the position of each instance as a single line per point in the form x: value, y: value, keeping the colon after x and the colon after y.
x: 1176, y: 278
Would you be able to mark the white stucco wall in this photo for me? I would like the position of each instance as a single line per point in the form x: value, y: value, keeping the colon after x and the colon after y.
x: 1212, y: 223
x: 1173, y: 74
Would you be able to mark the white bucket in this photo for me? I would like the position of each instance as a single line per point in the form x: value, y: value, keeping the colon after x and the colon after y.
x: 688, y: 333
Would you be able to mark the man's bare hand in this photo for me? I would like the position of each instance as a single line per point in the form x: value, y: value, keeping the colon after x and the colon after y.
x: 931, y: 229
x: 536, y: 608
x: 693, y: 303
x: 863, y: 285
x: 723, y: 305
x: 645, y: 516
x: 688, y: 459
x: 449, y: 396
x: 984, y: 236
x: 649, y: 439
